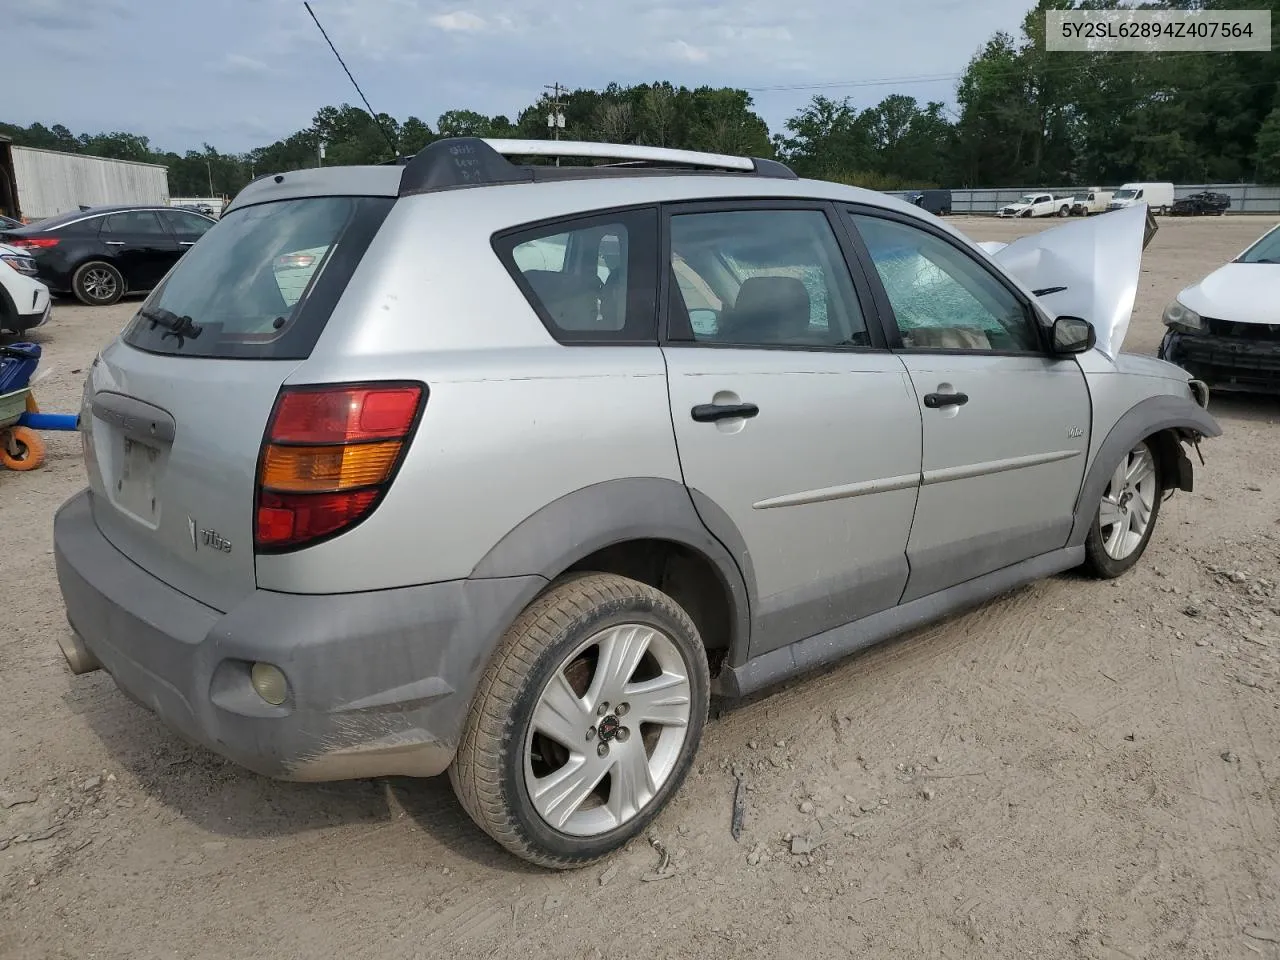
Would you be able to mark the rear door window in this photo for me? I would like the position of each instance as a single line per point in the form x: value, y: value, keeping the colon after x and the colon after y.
x: 590, y: 280
x: 133, y: 223
x: 261, y: 282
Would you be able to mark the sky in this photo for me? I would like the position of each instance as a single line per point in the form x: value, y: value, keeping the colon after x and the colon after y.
x: 244, y: 73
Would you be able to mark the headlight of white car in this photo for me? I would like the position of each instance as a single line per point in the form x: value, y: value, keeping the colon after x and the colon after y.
x: 1178, y: 316
x: 24, y: 265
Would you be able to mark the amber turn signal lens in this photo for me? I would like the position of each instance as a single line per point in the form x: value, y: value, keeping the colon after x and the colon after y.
x: 329, y: 468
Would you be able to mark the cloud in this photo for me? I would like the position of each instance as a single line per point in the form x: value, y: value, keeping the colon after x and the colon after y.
x: 240, y: 65
x: 459, y: 21
x: 682, y: 50
x: 69, y: 15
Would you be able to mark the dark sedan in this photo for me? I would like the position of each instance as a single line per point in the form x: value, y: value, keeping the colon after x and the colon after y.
x: 1203, y: 204
x: 102, y: 253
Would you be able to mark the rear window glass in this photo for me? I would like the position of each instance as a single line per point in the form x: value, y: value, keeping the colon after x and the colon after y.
x: 261, y: 282
x: 591, y: 280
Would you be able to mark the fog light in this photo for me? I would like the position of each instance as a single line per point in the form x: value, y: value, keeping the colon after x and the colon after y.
x: 270, y: 682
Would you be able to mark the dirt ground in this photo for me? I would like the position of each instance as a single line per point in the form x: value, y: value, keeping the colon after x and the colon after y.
x: 1076, y: 770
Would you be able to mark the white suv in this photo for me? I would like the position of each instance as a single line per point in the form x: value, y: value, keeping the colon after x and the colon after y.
x: 24, y: 300
x: 502, y: 469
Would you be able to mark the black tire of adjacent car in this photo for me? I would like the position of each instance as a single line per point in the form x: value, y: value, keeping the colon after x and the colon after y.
x: 488, y: 772
x: 1098, y: 563
x: 83, y: 288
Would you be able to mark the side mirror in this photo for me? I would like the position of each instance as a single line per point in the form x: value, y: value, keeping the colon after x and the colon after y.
x: 1073, y: 335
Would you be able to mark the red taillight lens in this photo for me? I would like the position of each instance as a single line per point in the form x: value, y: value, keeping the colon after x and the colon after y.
x: 328, y: 457
x: 33, y: 243
x: 345, y: 414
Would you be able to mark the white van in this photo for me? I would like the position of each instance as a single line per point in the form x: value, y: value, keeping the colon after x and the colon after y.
x: 1090, y: 201
x: 1157, y: 196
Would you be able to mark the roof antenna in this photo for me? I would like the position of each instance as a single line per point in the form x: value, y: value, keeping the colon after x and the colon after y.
x: 395, y: 151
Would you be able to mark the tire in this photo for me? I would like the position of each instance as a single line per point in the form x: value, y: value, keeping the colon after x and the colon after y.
x: 97, y: 284
x: 558, y: 649
x: 21, y: 449
x: 1109, y: 554
x: 1064, y: 211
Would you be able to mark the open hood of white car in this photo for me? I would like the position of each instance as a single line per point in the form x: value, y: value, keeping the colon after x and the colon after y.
x: 1087, y: 268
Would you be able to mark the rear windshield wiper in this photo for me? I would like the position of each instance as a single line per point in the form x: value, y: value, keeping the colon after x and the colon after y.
x: 175, y: 326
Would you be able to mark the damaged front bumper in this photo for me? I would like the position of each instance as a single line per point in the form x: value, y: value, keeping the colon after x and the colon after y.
x: 1226, y: 363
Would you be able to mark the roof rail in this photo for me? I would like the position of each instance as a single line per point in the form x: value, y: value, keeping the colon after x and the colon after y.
x: 475, y: 162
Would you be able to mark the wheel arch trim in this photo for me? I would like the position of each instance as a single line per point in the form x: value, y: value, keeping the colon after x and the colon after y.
x: 589, y: 519
x: 1147, y: 418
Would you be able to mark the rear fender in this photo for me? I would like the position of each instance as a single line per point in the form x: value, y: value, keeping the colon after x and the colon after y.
x: 1168, y: 422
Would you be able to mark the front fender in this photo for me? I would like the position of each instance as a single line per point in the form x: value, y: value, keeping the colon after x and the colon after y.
x: 1180, y: 416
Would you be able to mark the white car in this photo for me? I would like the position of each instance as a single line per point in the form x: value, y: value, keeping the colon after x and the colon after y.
x: 24, y: 300
x: 1225, y: 330
x: 1036, y: 205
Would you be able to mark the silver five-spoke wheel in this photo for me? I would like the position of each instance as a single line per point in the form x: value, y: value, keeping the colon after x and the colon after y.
x: 586, y: 720
x: 607, y: 730
x: 1128, y: 503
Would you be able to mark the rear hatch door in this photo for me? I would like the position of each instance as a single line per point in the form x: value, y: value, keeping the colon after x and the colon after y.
x: 176, y: 407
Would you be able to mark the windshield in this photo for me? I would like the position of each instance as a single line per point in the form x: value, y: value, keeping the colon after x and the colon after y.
x: 1125, y: 194
x: 1080, y: 198
x: 1265, y: 250
x: 1027, y: 198
x: 261, y: 282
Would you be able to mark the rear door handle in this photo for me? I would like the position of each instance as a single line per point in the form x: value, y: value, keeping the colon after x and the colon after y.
x: 711, y: 412
x: 186, y: 243
x: 114, y: 243
x: 935, y: 401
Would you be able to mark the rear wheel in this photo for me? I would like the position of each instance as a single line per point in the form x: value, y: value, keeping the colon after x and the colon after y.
x: 1126, y: 517
x: 1063, y: 210
x: 586, y: 721
x: 97, y: 283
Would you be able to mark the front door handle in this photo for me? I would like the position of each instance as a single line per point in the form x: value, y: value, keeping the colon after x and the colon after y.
x: 935, y: 401
x: 711, y: 412
x: 114, y: 243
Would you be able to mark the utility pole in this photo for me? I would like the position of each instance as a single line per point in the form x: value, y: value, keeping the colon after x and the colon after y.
x: 555, y: 119
x: 208, y: 165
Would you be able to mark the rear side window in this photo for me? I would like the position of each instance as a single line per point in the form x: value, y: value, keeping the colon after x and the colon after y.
x: 590, y: 280
x: 134, y: 221
x: 261, y: 282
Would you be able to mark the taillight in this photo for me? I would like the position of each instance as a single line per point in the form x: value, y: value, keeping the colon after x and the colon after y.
x: 328, y: 457
x: 33, y: 243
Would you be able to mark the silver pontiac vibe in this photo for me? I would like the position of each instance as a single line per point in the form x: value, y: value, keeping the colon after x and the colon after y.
x: 502, y: 468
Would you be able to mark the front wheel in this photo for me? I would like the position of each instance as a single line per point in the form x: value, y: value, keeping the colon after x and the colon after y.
x: 1126, y: 517
x: 585, y: 722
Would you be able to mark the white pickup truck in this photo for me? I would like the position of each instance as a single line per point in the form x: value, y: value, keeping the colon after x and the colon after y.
x: 1036, y: 205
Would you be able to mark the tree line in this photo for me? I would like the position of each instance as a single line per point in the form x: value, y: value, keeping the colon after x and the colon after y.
x: 1024, y: 117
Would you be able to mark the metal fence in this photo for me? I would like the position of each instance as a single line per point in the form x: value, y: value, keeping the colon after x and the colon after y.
x: 1245, y: 197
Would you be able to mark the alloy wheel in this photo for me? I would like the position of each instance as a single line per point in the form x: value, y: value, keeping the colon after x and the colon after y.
x: 607, y: 730
x: 99, y: 284
x: 1125, y: 513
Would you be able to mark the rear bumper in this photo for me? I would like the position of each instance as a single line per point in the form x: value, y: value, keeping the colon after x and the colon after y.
x: 379, y: 683
x: 1225, y: 363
